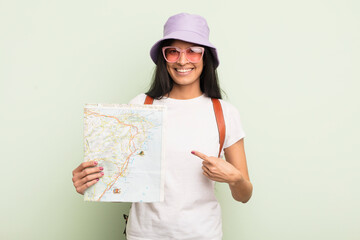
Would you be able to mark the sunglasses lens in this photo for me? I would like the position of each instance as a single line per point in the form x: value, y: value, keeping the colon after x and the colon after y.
x: 171, y: 54
x: 194, y: 54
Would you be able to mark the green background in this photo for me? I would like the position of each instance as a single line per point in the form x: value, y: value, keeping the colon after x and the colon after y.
x: 290, y: 67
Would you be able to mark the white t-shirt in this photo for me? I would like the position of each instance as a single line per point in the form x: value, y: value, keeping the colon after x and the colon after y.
x: 190, y: 210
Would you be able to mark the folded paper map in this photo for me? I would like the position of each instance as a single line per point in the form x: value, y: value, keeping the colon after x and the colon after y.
x: 127, y: 141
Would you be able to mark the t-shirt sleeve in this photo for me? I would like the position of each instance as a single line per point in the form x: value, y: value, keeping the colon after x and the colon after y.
x: 233, y: 124
x: 139, y: 99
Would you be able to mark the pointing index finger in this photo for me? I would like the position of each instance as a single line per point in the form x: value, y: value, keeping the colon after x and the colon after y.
x: 200, y: 155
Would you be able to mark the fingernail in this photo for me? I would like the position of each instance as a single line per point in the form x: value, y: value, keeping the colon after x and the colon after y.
x: 102, y: 173
x: 95, y: 163
x: 97, y: 179
x: 101, y: 168
x: 192, y: 152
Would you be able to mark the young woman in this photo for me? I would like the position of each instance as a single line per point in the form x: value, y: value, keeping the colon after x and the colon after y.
x: 186, y: 82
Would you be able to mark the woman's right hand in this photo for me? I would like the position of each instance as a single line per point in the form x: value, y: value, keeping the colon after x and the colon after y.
x: 86, y: 175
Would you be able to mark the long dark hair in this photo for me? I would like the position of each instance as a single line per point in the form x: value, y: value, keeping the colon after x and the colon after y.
x: 162, y: 82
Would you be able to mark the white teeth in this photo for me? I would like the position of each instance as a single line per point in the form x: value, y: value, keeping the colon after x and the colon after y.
x: 183, y: 70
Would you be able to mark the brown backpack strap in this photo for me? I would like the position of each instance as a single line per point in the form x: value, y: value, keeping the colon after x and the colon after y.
x: 218, y: 115
x: 220, y: 122
x: 148, y: 100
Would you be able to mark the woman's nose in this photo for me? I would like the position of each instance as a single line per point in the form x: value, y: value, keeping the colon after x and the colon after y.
x: 182, y: 59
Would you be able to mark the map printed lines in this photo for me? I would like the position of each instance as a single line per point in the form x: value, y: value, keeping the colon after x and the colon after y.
x: 127, y: 141
x: 131, y: 143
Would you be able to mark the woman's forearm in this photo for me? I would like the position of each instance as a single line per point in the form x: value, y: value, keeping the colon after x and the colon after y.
x: 241, y: 190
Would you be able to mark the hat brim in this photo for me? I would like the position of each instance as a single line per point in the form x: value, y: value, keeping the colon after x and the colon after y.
x: 186, y: 36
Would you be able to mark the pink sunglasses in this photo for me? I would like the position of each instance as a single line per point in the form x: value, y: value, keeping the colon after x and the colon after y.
x: 193, y: 54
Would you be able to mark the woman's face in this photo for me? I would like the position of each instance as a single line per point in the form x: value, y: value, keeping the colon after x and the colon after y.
x: 183, y: 72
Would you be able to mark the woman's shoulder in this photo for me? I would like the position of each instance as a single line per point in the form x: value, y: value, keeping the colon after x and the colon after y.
x: 233, y: 123
x: 228, y: 108
x: 139, y: 99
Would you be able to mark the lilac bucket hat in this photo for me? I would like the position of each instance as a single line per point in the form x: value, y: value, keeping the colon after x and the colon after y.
x: 186, y: 27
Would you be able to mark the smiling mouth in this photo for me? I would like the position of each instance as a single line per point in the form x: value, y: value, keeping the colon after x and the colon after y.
x: 182, y: 70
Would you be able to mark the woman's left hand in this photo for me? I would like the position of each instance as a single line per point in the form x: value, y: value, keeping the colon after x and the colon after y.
x: 218, y: 169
